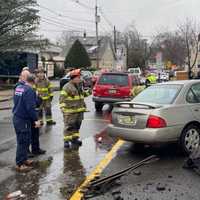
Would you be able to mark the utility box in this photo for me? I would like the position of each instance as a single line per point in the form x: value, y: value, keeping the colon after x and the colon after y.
x: 182, y: 75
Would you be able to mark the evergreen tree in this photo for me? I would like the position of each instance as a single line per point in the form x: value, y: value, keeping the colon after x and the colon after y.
x: 77, y: 57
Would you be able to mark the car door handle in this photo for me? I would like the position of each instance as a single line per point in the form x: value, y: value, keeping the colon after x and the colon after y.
x: 196, y: 110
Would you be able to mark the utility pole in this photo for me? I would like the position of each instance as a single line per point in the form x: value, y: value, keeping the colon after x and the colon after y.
x: 97, y: 20
x: 115, y: 40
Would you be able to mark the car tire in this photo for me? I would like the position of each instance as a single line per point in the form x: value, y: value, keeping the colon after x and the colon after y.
x: 98, y: 107
x: 190, y: 139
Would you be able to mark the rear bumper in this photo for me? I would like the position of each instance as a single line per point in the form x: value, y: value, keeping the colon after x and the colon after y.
x: 147, y: 135
x: 109, y: 100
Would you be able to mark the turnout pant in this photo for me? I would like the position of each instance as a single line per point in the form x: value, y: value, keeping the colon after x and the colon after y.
x: 72, y: 125
x: 46, y: 108
x: 23, y: 134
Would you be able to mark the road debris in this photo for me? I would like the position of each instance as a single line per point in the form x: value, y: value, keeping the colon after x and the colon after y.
x: 193, y: 162
x: 137, y: 173
x: 15, y: 195
x: 102, y: 185
x: 160, y: 187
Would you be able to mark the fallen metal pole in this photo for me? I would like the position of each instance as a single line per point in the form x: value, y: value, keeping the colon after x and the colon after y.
x: 122, y: 172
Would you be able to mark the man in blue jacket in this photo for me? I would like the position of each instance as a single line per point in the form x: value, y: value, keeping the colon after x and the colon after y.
x: 24, y: 115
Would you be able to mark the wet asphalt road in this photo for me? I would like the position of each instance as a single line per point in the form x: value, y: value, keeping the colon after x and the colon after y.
x: 55, y: 179
x: 58, y: 179
x: 164, y: 179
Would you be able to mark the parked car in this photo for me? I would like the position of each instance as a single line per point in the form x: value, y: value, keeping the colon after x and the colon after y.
x: 87, y: 79
x: 163, y: 113
x: 64, y: 80
x: 85, y: 75
x: 111, y: 88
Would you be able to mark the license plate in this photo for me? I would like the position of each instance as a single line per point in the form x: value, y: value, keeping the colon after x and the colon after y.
x: 113, y: 91
x: 126, y: 120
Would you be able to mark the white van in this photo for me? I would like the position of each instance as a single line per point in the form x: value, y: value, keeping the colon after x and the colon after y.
x: 135, y: 71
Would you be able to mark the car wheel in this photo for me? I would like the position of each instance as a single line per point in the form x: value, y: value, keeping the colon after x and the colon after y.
x: 190, y: 139
x: 98, y: 107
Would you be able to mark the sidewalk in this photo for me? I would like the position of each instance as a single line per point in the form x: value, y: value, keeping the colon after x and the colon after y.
x: 5, y: 95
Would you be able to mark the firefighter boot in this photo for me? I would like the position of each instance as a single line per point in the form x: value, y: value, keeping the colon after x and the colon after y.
x: 77, y: 141
x: 66, y: 144
x: 49, y: 123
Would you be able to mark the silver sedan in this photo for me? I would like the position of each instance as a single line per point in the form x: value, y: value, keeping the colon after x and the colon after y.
x: 163, y: 113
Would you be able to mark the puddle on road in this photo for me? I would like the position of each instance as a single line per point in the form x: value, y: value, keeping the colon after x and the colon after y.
x: 69, y: 167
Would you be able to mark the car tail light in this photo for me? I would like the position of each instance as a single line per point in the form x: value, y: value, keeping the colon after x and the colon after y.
x: 95, y: 91
x: 156, y: 122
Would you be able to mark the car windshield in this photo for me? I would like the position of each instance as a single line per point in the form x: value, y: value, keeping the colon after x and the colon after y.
x: 159, y: 94
x: 114, y: 79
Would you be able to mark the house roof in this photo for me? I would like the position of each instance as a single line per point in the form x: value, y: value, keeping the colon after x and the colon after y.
x: 90, y: 45
x: 52, y: 49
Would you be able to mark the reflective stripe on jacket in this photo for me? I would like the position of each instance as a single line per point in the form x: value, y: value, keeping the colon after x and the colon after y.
x: 44, y: 89
x: 137, y: 89
x: 72, y: 99
x: 152, y: 79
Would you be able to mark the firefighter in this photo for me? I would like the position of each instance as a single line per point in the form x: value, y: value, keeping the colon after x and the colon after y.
x: 44, y: 90
x: 73, y: 106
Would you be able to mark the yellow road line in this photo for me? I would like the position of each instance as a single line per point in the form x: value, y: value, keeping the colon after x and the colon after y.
x: 98, y: 170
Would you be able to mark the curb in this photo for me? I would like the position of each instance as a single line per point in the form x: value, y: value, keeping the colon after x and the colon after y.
x: 6, y: 108
x: 7, y: 99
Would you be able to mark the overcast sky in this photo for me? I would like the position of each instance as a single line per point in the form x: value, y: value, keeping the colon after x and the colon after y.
x: 149, y: 15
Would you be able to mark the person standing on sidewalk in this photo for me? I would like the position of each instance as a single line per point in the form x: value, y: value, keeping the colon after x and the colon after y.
x: 73, y: 106
x: 24, y: 114
x: 44, y: 90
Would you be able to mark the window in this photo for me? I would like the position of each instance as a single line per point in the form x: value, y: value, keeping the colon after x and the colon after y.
x: 159, y: 94
x: 193, y: 95
x: 114, y: 79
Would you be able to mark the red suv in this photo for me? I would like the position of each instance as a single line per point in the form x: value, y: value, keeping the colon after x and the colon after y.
x: 111, y: 88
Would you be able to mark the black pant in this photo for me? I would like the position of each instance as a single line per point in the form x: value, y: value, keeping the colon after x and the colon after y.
x: 23, y: 133
x: 35, y: 143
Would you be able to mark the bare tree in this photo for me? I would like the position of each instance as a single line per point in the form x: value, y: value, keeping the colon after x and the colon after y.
x: 172, y: 46
x: 189, y: 31
x: 136, y: 47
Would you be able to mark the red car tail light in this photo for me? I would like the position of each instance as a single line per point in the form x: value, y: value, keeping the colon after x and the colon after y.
x: 156, y: 122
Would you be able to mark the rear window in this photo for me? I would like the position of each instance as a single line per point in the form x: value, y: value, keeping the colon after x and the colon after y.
x: 158, y: 94
x: 114, y: 79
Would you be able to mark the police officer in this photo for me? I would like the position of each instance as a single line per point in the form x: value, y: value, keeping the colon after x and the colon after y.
x: 24, y: 114
x: 44, y: 90
x: 73, y: 106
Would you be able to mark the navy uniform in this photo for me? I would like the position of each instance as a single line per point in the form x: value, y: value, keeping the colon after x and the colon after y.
x: 24, y: 115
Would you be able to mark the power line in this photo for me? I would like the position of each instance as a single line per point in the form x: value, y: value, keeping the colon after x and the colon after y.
x: 58, y: 20
x: 105, y: 18
x: 64, y: 16
x: 56, y: 23
x: 83, y: 5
